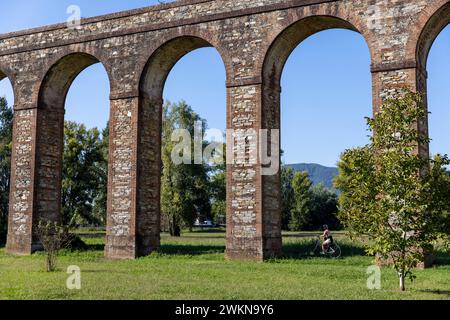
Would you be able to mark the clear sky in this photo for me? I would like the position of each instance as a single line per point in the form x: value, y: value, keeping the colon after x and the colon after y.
x: 326, y: 84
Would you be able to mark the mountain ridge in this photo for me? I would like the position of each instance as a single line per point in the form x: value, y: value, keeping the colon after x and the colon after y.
x: 317, y: 173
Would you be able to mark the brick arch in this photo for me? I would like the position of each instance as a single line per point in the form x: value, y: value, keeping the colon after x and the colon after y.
x: 293, y: 35
x: 272, y: 67
x: 2, y: 75
x: 51, y: 99
x: 58, y: 78
x: 155, y: 68
x: 5, y: 74
x: 430, y: 23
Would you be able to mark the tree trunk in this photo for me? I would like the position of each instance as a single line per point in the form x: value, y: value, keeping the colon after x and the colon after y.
x: 402, y: 281
x: 175, y: 230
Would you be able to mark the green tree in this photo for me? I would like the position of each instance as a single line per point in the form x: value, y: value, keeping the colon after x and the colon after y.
x: 300, y: 213
x: 184, y: 187
x: 287, y: 196
x: 218, y: 195
x: 83, y: 174
x: 390, y: 192
x: 100, y: 200
x: 6, y: 122
x: 323, y: 208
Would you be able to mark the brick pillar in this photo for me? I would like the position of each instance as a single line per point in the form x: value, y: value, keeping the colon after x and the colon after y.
x: 133, y: 186
x: 122, y: 173
x: 388, y: 80
x: 253, y: 230
x: 272, y: 224
x: 38, y: 140
x: 21, y: 201
x: 149, y: 178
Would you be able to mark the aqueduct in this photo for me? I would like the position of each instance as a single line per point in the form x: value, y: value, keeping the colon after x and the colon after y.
x: 138, y: 48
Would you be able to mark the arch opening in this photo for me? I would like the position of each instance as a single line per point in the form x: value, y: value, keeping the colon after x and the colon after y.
x: 72, y: 157
x: 291, y: 37
x: 6, y: 89
x: 438, y: 95
x: 435, y: 25
x: 325, y: 88
x: 6, y: 127
x: 180, y: 79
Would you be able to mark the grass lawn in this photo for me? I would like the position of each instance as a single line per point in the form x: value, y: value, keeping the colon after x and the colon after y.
x: 193, y: 267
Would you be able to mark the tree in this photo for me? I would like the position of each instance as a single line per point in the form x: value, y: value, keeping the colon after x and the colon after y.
x: 392, y: 193
x: 323, y: 208
x: 184, y: 187
x: 54, y: 238
x: 300, y: 213
x: 218, y: 195
x: 6, y: 124
x: 100, y: 200
x: 287, y: 196
x: 83, y: 174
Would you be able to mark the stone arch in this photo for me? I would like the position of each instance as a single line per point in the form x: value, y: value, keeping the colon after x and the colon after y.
x: 153, y: 78
x: 167, y: 53
x: 51, y: 98
x: 4, y: 74
x: 277, y: 54
x: 64, y: 69
x: 290, y: 37
x: 431, y: 22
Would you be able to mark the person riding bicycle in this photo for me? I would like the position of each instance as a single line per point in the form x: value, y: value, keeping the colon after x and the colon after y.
x: 327, y: 239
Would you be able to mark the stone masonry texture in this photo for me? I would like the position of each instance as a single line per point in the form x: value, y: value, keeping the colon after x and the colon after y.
x: 138, y: 48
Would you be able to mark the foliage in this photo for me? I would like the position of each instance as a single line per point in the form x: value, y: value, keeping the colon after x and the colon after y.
x: 300, y: 213
x: 84, y: 176
x: 6, y: 122
x: 53, y: 238
x: 287, y: 196
x: 100, y: 201
x: 184, y: 187
x: 304, y: 206
x: 392, y: 193
x: 218, y: 194
x: 323, y: 208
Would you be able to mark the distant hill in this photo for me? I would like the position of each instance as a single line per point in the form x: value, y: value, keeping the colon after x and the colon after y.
x: 317, y: 173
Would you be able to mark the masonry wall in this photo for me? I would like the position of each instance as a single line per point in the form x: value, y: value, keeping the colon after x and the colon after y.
x: 254, y: 39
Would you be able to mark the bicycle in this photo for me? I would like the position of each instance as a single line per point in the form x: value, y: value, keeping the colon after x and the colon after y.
x: 334, y: 250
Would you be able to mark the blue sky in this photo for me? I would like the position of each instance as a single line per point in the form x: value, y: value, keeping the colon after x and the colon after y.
x: 326, y: 84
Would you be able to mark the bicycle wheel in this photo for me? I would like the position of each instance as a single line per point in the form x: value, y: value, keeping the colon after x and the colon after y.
x: 315, y: 248
x: 336, y: 251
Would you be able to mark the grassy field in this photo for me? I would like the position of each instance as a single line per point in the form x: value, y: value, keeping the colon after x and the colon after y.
x: 193, y: 267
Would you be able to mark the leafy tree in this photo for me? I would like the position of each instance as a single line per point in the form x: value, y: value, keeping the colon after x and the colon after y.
x: 390, y: 192
x: 218, y: 195
x: 302, y: 200
x: 287, y: 196
x: 83, y: 174
x: 100, y: 200
x: 184, y: 187
x: 323, y: 208
x: 6, y: 121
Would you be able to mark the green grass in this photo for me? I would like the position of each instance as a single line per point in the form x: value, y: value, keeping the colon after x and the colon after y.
x: 194, y: 267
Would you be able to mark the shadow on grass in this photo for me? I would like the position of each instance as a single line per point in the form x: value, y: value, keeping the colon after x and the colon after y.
x: 191, y: 250
x: 437, y: 292
x: 442, y: 258
x: 209, y: 230
x: 290, y: 251
x: 304, y: 250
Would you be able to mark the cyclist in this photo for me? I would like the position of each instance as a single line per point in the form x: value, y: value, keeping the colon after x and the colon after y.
x: 327, y: 239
